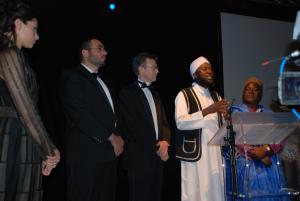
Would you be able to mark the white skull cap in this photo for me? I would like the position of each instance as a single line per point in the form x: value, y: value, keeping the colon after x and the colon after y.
x: 196, y: 64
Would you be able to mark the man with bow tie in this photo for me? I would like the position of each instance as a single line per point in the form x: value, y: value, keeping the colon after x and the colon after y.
x: 147, y: 133
x: 93, y: 134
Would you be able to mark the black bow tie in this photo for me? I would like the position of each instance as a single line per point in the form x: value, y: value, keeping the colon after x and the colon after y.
x: 144, y: 85
x: 95, y: 75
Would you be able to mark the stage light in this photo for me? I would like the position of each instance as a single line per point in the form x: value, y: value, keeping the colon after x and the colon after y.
x: 112, y: 6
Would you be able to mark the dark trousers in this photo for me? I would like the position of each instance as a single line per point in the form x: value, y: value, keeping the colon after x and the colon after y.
x: 145, y: 180
x: 92, y: 182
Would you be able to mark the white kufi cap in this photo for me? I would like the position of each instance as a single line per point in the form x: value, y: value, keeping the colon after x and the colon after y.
x: 196, y: 64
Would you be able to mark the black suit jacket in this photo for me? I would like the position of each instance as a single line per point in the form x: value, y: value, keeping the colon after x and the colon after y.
x: 90, y: 118
x: 138, y: 123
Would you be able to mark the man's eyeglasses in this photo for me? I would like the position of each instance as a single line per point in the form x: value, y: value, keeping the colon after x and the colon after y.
x: 97, y: 48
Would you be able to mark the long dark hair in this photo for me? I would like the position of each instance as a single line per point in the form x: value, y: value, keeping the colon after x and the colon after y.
x: 11, y: 10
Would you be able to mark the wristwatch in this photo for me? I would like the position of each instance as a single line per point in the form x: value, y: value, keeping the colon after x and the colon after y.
x: 267, y: 147
x: 269, y: 150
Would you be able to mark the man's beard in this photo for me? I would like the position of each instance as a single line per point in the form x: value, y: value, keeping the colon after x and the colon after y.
x: 96, y: 62
x: 204, y: 83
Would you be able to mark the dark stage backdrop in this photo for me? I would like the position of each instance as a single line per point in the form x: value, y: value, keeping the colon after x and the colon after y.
x: 178, y: 33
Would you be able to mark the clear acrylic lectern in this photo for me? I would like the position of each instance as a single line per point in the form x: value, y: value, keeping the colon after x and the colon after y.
x: 259, y: 129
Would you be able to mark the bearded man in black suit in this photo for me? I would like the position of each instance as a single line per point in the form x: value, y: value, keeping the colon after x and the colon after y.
x: 93, y: 136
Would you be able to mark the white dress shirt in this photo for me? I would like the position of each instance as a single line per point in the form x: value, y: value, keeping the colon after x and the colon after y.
x: 103, y: 85
x: 151, y: 102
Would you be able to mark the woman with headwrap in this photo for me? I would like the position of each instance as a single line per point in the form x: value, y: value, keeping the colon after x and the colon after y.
x: 259, y: 173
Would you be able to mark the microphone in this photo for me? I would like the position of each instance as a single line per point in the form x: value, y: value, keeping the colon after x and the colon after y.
x: 293, y: 55
x: 230, y: 108
x: 265, y: 63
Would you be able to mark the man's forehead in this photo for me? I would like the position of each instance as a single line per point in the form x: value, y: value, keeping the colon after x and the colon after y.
x: 96, y: 42
x: 204, y: 65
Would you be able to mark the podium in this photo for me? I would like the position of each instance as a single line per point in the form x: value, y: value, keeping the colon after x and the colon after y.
x: 256, y: 129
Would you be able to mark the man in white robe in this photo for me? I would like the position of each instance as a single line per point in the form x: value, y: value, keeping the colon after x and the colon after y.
x: 202, y: 180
